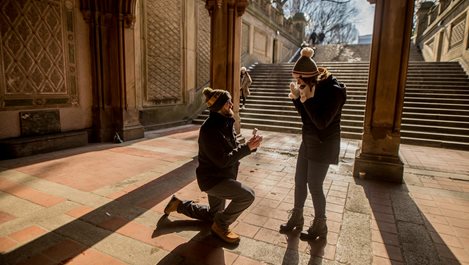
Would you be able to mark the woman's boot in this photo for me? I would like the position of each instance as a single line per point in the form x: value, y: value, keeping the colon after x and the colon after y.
x: 295, y: 221
x: 317, y: 229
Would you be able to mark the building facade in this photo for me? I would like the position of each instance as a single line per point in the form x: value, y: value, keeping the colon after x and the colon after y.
x: 442, y: 31
x: 101, y: 70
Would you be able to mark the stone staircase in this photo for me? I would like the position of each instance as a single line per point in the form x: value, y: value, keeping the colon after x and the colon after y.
x: 436, y: 103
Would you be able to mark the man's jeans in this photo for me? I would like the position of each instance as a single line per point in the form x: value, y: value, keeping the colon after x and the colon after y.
x: 241, y: 198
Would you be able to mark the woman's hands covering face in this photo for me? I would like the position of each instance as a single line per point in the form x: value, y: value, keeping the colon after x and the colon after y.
x: 294, y: 91
x: 306, y: 92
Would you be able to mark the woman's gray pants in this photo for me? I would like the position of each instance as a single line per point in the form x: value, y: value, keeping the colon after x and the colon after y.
x: 310, y: 174
x: 241, y: 197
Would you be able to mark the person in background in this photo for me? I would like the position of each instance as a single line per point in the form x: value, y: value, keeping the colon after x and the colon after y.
x: 245, y: 83
x: 219, y: 155
x: 318, y: 98
x: 312, y: 38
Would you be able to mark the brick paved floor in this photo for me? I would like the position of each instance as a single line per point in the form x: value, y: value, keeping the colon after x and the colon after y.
x: 103, y: 204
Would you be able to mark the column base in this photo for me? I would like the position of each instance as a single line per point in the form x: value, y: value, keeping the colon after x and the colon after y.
x: 132, y: 132
x: 378, y: 167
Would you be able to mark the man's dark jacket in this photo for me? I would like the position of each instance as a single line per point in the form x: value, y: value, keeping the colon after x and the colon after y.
x: 219, y: 151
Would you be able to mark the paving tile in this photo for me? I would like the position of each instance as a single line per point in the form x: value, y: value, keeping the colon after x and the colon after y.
x: 379, y: 208
x: 383, y: 217
x: 241, y: 260
x: 377, y: 260
x: 265, y: 202
x: 86, y: 171
x: 329, y: 252
x: 37, y: 260
x: 7, y: 244
x: 452, y: 254
x: 384, y: 237
x: 27, y: 193
x: 273, y: 224
x: 94, y: 257
x: 334, y: 226
x: 387, y: 251
x: 80, y: 211
x: 384, y: 227
x: 5, y: 217
x: 335, y: 208
x: 255, y: 219
x: 443, y: 212
x: 246, y: 230
x: 28, y: 233
x: 64, y: 250
x: 271, y: 236
x: 335, y: 200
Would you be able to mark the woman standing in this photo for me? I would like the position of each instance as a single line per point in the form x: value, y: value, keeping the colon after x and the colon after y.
x: 245, y: 82
x: 318, y: 98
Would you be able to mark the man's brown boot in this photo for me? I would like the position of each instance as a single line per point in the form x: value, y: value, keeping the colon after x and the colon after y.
x: 172, y: 205
x: 225, y: 234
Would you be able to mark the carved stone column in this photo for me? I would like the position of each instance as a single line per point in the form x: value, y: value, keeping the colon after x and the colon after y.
x: 378, y: 156
x: 226, y: 47
x: 113, y: 69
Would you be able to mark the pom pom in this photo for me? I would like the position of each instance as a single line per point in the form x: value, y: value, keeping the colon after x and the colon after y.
x: 307, y: 52
x: 208, y: 91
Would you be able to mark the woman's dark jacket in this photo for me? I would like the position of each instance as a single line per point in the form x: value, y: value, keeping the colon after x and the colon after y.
x: 219, y: 151
x: 321, y: 116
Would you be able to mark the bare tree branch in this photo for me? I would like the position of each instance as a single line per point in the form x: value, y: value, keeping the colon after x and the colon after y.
x: 337, y: 1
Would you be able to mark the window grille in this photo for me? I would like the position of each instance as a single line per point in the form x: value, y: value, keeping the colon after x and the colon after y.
x: 457, y: 32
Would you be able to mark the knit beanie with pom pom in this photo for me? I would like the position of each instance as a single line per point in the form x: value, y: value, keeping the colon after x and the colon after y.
x: 215, y: 98
x: 305, y: 66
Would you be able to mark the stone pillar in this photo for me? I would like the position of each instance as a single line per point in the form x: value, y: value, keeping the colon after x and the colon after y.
x: 378, y: 155
x: 226, y: 47
x: 111, y: 32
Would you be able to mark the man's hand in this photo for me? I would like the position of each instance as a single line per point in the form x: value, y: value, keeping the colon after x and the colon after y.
x: 306, y: 92
x: 294, y: 92
x: 254, y: 142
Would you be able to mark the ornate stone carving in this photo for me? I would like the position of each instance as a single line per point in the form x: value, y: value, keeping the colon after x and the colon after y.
x: 240, y: 5
x: 203, y: 45
x: 164, y: 48
x: 105, y: 9
x: 37, y: 53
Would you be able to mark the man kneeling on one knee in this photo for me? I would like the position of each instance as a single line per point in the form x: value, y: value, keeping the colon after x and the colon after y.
x: 219, y: 155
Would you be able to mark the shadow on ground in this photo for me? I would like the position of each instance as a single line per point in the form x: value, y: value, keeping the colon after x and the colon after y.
x: 203, y: 248
x: 407, y: 235
x: 93, y: 227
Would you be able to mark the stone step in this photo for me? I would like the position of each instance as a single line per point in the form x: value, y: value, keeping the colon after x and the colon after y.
x: 353, y: 74
x: 462, y: 83
x: 435, y: 110
x: 440, y: 98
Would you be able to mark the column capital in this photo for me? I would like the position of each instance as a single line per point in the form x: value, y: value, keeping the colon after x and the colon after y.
x: 240, y: 5
x: 105, y: 9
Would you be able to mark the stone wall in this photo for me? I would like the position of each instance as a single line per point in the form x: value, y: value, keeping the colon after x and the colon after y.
x: 45, y: 60
x: 175, y: 56
x: 44, y: 64
x: 268, y: 37
x: 442, y: 32
x: 175, y: 60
